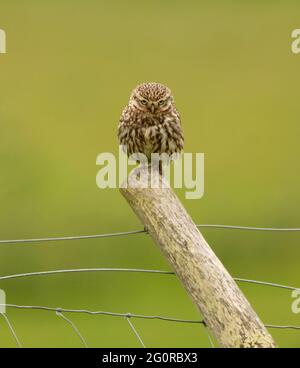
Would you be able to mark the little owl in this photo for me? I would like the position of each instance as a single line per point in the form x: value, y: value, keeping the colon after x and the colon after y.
x: 150, y: 122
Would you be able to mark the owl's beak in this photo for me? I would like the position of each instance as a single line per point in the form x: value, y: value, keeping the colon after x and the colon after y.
x: 153, y: 108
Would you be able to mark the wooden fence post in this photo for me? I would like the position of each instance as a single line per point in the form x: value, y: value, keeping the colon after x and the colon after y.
x: 225, y: 310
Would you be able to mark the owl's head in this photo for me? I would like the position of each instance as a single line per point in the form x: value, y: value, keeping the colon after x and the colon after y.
x: 151, y: 97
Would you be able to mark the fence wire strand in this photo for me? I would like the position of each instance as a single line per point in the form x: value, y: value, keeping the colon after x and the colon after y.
x: 75, y: 329
x: 13, y: 332
x: 209, y: 337
x: 128, y: 316
x: 265, y: 283
x: 249, y: 228
x: 105, y: 313
x: 134, y: 270
x: 287, y: 327
x: 66, y: 238
x: 133, y: 232
x: 83, y: 270
x: 135, y: 332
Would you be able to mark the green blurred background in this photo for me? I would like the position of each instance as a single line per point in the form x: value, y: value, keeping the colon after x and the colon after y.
x: 68, y: 72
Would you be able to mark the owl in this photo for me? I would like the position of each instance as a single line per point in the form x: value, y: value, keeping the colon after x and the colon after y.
x: 150, y: 122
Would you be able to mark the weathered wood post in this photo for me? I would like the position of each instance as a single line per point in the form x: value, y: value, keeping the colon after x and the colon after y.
x: 225, y: 310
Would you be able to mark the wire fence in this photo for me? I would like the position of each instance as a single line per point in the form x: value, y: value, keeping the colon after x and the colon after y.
x: 133, y: 232
x: 60, y: 312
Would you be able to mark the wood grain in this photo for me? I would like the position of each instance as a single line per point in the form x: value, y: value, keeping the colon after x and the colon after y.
x: 226, y: 312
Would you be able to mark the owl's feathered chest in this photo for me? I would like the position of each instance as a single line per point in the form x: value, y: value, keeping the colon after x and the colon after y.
x: 145, y: 120
x: 149, y: 133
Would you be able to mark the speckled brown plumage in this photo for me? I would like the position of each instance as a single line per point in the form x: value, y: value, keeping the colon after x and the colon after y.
x: 150, y: 122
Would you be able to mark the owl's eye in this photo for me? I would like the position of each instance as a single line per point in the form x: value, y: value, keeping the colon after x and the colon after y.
x: 143, y: 102
x: 161, y: 102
